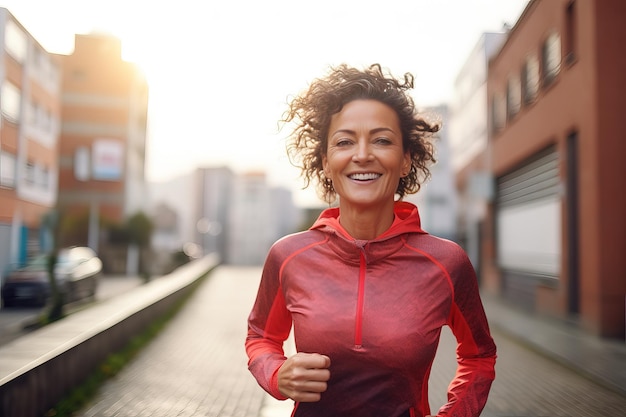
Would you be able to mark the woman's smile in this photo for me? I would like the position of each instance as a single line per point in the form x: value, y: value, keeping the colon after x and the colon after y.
x: 369, y: 176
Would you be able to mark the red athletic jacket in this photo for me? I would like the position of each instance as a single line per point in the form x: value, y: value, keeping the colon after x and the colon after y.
x: 376, y: 308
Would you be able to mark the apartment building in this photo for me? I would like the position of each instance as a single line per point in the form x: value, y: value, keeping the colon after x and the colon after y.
x: 467, y: 134
x: 555, y: 235
x: 213, y: 189
x: 103, y: 135
x: 215, y: 210
x: 437, y: 199
x: 30, y: 80
x: 259, y: 215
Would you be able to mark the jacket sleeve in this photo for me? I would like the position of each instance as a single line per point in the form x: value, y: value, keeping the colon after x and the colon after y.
x: 269, y: 324
x: 476, y: 350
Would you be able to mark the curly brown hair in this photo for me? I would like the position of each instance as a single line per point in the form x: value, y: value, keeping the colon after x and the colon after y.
x: 312, y: 110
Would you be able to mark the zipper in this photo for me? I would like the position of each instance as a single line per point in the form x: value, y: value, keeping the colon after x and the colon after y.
x: 358, y: 331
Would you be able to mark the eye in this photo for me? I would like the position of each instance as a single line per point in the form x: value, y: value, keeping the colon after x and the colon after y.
x: 382, y: 141
x: 343, y: 142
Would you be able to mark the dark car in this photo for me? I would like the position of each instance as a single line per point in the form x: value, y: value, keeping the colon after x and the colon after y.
x: 77, y: 272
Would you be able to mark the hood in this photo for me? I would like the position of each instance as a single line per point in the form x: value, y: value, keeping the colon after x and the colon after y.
x: 407, y: 220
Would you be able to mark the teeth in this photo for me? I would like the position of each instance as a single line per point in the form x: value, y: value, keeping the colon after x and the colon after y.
x: 364, y: 177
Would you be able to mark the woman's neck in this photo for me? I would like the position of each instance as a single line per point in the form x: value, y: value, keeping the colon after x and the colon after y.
x: 365, y: 224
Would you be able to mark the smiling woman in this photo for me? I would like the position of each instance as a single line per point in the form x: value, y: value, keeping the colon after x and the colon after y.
x: 366, y: 289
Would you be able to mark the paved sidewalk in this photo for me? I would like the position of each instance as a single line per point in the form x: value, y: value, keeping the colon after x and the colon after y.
x: 602, y: 360
x: 197, y: 367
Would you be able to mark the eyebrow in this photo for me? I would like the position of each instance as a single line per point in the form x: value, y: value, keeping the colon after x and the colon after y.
x: 375, y: 130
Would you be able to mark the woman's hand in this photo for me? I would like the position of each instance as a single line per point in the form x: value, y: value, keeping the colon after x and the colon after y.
x: 303, y: 376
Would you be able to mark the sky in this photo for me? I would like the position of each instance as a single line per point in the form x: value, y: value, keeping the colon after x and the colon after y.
x: 221, y: 73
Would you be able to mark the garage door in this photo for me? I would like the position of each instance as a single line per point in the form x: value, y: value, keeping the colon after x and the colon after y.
x: 528, y: 217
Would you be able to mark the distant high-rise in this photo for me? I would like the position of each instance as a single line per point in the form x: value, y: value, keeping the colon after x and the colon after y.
x: 214, y: 210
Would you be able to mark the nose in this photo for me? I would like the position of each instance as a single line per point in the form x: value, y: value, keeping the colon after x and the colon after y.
x: 362, y: 152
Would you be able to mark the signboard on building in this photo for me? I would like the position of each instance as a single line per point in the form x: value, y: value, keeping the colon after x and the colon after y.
x: 107, y: 159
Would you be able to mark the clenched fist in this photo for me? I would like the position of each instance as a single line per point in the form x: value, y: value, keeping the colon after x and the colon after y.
x: 303, y: 376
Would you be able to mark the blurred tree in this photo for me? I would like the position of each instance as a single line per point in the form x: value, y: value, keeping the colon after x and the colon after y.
x: 310, y: 216
x: 139, y: 228
x: 139, y: 232
x: 74, y: 229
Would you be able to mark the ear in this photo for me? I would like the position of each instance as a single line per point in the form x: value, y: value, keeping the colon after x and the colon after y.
x: 406, y: 164
x: 325, y: 166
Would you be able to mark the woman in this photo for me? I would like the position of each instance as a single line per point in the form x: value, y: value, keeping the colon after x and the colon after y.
x: 365, y: 288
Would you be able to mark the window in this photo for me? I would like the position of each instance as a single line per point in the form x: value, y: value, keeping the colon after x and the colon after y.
x: 498, y: 112
x: 15, y: 42
x: 530, y: 79
x: 7, y: 170
x: 10, y: 103
x: 513, y: 97
x: 29, y: 175
x: 570, y: 33
x: 551, y: 56
x: 42, y: 177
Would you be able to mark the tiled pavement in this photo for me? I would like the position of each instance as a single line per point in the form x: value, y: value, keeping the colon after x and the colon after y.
x: 197, y: 367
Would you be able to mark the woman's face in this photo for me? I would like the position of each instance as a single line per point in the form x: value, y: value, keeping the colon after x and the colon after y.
x: 365, y: 158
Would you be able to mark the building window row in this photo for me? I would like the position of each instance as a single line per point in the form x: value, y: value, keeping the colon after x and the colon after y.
x: 44, y: 68
x: 539, y: 71
x: 522, y: 89
x: 37, y: 175
x: 39, y: 117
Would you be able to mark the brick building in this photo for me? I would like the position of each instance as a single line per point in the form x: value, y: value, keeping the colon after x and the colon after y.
x: 555, y: 233
x: 103, y: 137
x: 29, y: 134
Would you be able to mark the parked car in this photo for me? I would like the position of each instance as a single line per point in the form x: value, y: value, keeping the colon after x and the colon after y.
x: 77, y: 273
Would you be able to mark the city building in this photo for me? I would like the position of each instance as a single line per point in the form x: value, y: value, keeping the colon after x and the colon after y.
x: 468, y: 137
x: 172, y: 208
x: 437, y: 199
x: 213, y: 200
x: 214, y: 210
x: 555, y: 234
x: 30, y: 123
x: 103, y: 135
x: 260, y: 215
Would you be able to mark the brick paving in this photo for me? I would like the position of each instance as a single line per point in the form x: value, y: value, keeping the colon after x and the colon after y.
x: 197, y: 367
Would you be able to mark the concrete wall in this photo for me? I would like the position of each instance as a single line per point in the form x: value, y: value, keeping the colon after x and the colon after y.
x: 39, y: 369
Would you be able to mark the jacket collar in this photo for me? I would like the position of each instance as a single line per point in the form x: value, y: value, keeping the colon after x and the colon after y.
x: 406, y: 220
